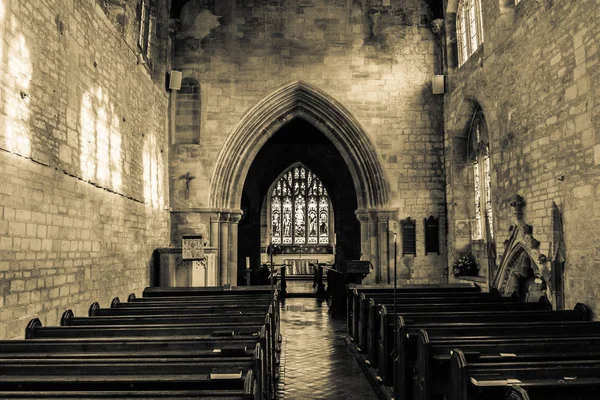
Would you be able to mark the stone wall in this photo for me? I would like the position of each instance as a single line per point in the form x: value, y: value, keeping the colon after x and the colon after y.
x: 376, y: 61
x: 83, y: 149
x: 536, y: 79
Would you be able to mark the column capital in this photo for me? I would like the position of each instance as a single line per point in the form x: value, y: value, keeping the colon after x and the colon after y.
x: 235, y: 217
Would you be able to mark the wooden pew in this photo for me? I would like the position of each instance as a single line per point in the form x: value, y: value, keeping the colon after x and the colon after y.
x: 372, y: 310
x: 69, y: 319
x: 246, y: 394
x: 194, y: 305
x: 206, y: 291
x: 409, y: 325
x: 354, y: 291
x: 170, y: 377
x: 362, y: 302
x: 432, y: 371
x: 135, y: 347
x: 550, y: 379
x: 383, y: 341
x: 370, y: 325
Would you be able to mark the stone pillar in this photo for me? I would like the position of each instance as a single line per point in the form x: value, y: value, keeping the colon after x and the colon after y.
x: 224, y: 248
x: 365, y: 243
x: 375, y: 243
x: 234, y: 218
x: 374, y: 238
x: 384, y: 245
x: 214, y: 242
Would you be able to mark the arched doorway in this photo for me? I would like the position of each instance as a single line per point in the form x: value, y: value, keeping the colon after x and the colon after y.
x: 298, y: 144
x: 299, y: 100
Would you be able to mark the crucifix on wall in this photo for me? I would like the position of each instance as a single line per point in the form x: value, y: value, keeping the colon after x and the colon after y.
x: 188, y: 177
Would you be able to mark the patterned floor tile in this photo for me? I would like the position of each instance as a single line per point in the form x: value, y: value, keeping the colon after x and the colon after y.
x: 315, y: 362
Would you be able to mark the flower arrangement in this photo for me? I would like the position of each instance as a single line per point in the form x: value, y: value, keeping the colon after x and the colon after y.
x: 465, y: 266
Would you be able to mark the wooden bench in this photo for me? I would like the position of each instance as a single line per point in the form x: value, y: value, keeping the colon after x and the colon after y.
x: 549, y: 379
x: 369, y: 323
x: 172, y: 377
x: 361, y: 302
x: 206, y: 291
x: 69, y: 319
x: 385, y: 335
x: 354, y: 291
x: 409, y: 325
x: 432, y: 371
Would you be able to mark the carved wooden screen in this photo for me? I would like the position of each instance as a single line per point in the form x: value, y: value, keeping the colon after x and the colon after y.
x: 409, y: 237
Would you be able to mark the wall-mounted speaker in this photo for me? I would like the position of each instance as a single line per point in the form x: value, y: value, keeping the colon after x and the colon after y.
x: 175, y: 80
x: 437, y: 84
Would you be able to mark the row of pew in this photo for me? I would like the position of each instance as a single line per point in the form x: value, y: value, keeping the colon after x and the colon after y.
x: 176, y: 343
x: 454, y: 342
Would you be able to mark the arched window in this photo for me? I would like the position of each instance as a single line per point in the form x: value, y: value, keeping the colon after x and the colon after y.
x: 299, y: 209
x: 469, y: 28
x: 483, y: 227
x: 146, y: 29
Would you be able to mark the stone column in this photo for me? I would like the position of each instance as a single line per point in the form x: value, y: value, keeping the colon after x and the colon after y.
x: 365, y: 243
x: 224, y: 248
x: 375, y: 243
x: 234, y: 218
x: 384, y: 244
x: 374, y: 238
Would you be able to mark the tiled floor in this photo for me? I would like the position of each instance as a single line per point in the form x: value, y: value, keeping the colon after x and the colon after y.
x: 315, y: 362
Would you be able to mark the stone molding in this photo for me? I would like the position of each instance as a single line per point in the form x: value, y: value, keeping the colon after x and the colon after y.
x: 298, y: 100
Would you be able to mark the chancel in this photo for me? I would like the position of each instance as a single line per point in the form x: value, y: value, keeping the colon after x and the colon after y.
x: 299, y: 199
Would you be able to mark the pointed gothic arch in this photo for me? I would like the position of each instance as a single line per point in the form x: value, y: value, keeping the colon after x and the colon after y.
x: 298, y: 100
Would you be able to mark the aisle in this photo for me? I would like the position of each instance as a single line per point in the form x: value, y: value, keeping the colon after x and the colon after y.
x: 315, y: 362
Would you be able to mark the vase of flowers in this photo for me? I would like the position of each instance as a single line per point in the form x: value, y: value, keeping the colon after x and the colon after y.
x: 465, y: 266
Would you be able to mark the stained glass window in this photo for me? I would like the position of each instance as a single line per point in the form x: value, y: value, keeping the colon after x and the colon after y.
x: 146, y: 29
x: 483, y: 226
x: 469, y: 28
x: 299, y: 209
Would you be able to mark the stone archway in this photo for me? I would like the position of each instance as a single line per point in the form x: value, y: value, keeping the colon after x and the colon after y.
x: 298, y: 100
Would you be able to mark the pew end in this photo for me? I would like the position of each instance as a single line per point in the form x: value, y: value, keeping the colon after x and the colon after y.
x: 459, y: 376
x: 115, y: 302
x: 546, y: 302
x: 517, y: 393
x: 131, y: 297
x: 31, y: 327
x: 250, y: 387
x: 94, y: 307
x: 584, y: 310
x: 66, y: 316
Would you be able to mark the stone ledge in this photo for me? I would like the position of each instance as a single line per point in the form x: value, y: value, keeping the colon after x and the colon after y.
x: 480, y: 279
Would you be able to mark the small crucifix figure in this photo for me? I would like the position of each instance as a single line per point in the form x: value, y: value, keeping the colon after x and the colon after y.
x: 187, y: 178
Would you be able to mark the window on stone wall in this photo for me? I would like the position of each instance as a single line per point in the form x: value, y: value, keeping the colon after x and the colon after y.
x: 432, y: 237
x: 409, y: 236
x: 469, y: 28
x: 146, y: 29
x: 187, y: 121
x: 483, y: 227
x: 300, y: 209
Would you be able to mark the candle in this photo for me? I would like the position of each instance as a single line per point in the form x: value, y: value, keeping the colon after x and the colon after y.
x: 247, y: 262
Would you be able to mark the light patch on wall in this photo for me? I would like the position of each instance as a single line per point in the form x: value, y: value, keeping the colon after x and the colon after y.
x: 100, y: 158
x: 153, y: 173
x: 3, y: 25
x: 18, y: 81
